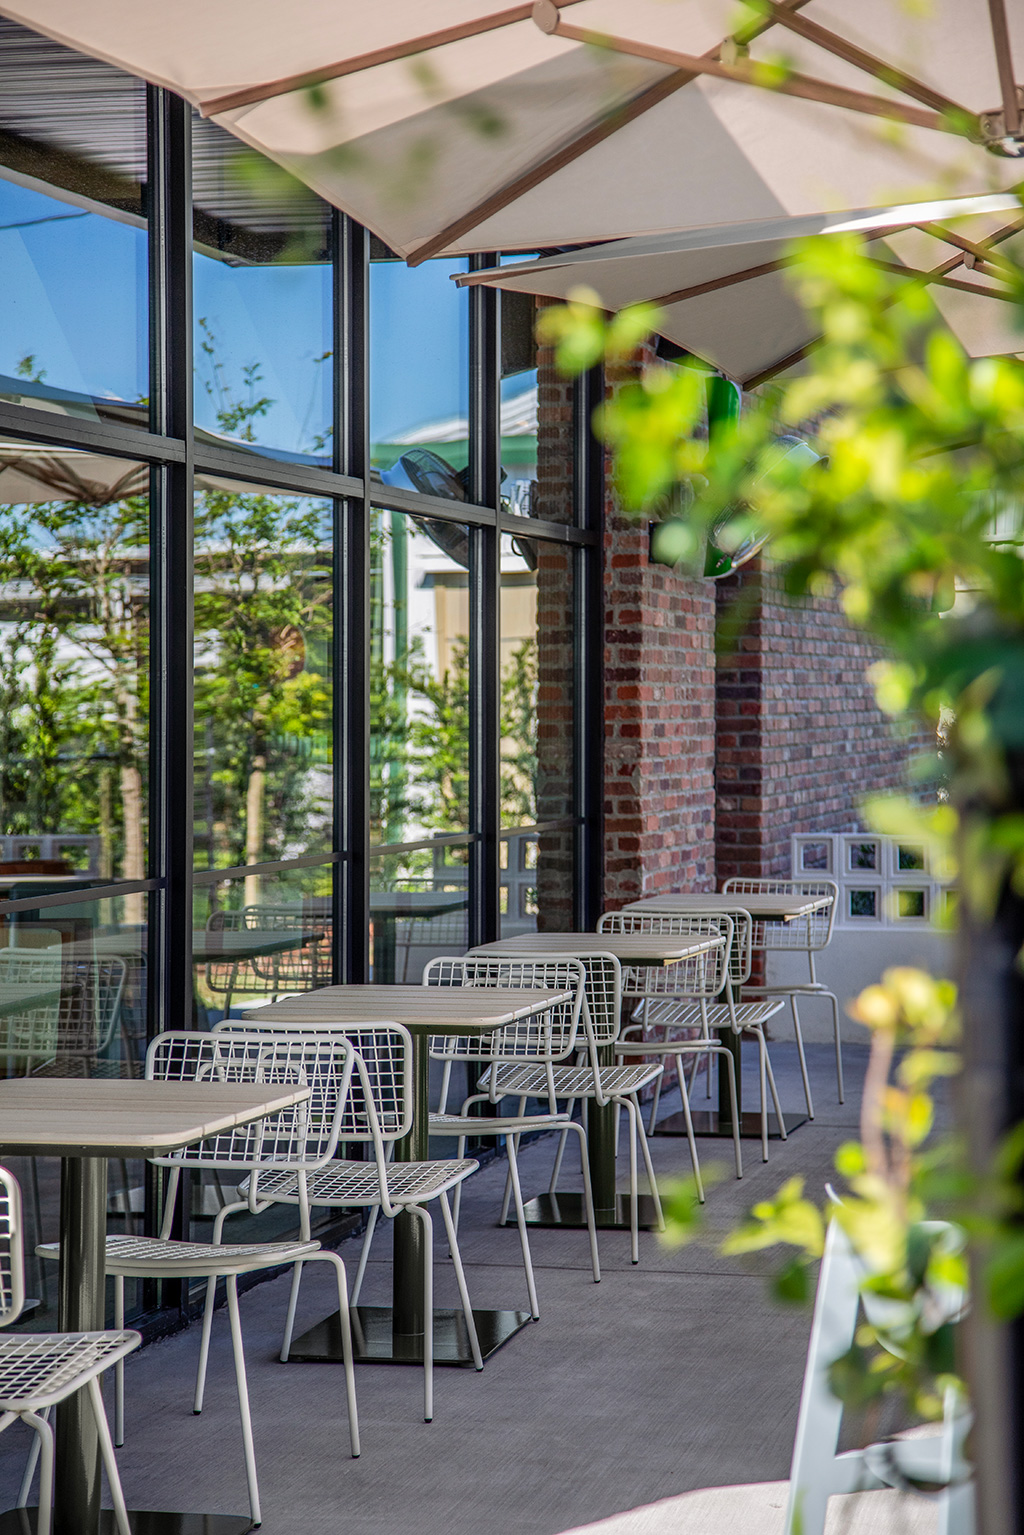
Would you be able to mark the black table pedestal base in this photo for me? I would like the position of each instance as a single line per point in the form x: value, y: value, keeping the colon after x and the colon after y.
x: 708, y: 1122
x: 22, y: 1521
x: 567, y: 1210
x: 375, y: 1342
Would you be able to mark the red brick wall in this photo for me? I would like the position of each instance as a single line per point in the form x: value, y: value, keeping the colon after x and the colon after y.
x: 659, y: 723
x: 800, y: 739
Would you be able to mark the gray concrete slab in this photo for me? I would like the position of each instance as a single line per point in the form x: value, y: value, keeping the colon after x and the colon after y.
x: 677, y: 1375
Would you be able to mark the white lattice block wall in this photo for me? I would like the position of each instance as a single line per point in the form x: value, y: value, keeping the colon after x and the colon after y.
x: 883, y: 881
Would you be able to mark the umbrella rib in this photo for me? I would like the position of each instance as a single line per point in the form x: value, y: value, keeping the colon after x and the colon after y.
x: 982, y: 251
x: 941, y: 281
x: 252, y: 94
x: 715, y: 283
x: 749, y: 72
x: 843, y: 49
x: 589, y: 139
x: 1004, y: 64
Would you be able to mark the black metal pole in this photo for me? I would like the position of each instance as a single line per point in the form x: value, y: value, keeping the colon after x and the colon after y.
x: 485, y: 612
x: 351, y: 605
x: 588, y: 656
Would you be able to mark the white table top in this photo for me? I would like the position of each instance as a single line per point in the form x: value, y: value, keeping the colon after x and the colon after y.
x: 104, y: 1117
x: 421, y: 1009
x: 628, y: 948
x: 781, y: 908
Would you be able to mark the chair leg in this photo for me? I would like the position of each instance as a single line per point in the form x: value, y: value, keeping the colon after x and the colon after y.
x: 364, y: 1253
x: 460, y: 1280
x: 507, y: 1196
x: 656, y: 1099
x: 634, y: 1192
x: 800, y: 1052
x: 783, y: 1135
x: 289, y: 1321
x: 834, y: 1002
x: 109, y: 1458
x: 556, y: 1170
x: 649, y: 1165
x: 730, y: 1066
x: 428, y: 1303
x: 346, y: 1346
x: 588, y: 1202
x: 204, y: 1344
x: 43, y: 1451
x: 691, y: 1138
x: 119, y: 1366
x: 242, y: 1388
x: 524, y: 1240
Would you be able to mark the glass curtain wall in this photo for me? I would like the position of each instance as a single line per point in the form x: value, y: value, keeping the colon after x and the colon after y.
x: 287, y: 697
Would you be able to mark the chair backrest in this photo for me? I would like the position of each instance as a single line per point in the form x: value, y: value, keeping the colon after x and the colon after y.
x: 700, y: 975
x: 304, y: 968
x: 78, y: 1025
x: 808, y: 934
x: 547, y: 1036
x: 12, y: 1260
x: 305, y: 1136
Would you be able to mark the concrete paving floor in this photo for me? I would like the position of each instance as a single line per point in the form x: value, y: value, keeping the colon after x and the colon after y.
x: 676, y: 1375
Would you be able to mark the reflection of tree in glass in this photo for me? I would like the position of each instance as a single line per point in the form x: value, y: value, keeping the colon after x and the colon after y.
x: 262, y: 613
x: 519, y: 736
x: 74, y: 643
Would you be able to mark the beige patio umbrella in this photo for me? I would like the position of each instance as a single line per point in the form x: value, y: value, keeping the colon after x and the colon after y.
x: 725, y: 297
x: 460, y: 125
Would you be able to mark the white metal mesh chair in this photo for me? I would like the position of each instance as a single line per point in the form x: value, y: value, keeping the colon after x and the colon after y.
x: 803, y: 935
x: 39, y: 1370
x: 378, y: 1112
x: 543, y: 1039
x: 594, y: 1078
x: 71, y: 1034
x: 294, y: 1143
x: 303, y: 968
x: 699, y: 996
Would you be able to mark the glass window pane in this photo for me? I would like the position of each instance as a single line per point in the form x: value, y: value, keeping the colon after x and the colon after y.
x: 419, y: 677
x: 73, y: 300
x: 419, y: 376
x: 263, y: 683
x: 262, y: 302
x: 520, y: 408
x: 419, y: 908
x: 74, y: 657
x: 72, y: 1004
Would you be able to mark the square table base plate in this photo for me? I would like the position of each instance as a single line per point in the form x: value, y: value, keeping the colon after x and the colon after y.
x: 374, y: 1342
x: 708, y: 1122
x: 22, y: 1521
x: 567, y: 1210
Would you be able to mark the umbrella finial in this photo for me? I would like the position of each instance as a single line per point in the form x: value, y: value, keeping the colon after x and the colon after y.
x: 545, y: 16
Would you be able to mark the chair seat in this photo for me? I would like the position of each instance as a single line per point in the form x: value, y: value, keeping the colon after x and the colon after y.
x: 142, y: 1257
x: 686, y: 1015
x: 476, y: 1124
x: 38, y: 1369
x: 573, y: 1081
x: 357, y: 1183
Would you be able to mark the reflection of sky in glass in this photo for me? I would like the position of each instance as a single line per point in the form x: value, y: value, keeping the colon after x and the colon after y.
x: 270, y: 328
x: 73, y: 295
x: 419, y: 347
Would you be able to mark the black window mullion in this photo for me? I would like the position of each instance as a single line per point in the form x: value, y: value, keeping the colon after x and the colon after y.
x: 588, y: 653
x: 352, y: 604
x: 170, y: 994
x: 485, y: 609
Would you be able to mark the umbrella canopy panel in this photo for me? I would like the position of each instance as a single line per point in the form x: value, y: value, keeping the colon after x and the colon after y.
x: 726, y: 298
x: 461, y: 125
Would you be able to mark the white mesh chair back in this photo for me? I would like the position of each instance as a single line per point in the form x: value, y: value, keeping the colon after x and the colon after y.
x: 547, y: 1036
x: 304, y: 1136
x: 808, y: 934
x: 12, y: 1263
x: 299, y: 969
x: 602, y: 997
x: 699, y: 975
x: 70, y: 1032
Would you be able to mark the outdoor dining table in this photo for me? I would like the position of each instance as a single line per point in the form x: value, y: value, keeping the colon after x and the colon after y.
x: 611, y: 1210
x: 394, y: 1334
x: 389, y: 907
x: 24, y: 996
x: 763, y: 906
x: 84, y: 1121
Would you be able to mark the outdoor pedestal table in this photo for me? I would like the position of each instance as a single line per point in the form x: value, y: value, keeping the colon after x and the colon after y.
x: 611, y: 1210
x: 764, y: 907
x: 394, y: 1334
x: 84, y: 1121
